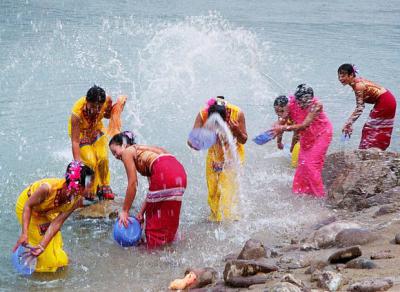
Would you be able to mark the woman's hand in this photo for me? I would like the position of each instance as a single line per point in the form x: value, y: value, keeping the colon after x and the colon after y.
x: 280, y: 145
x: 278, y: 129
x: 124, y: 218
x: 37, y: 250
x: 347, y: 129
x: 22, y: 240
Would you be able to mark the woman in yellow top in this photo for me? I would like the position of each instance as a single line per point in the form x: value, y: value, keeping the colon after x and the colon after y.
x: 221, y: 174
x: 89, y: 142
x: 42, y: 209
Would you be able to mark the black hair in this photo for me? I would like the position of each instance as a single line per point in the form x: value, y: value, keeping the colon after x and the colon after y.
x: 85, y: 172
x: 96, y: 94
x: 347, y: 69
x: 303, y: 90
x: 281, y: 100
x: 218, y: 107
x: 125, y: 137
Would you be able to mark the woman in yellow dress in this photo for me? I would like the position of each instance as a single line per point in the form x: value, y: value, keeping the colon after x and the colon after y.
x: 221, y: 171
x: 43, y: 207
x: 89, y: 142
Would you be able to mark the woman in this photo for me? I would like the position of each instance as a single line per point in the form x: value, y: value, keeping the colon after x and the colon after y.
x: 89, y: 142
x: 167, y: 183
x: 315, y: 131
x: 377, y: 131
x: 222, y: 171
x: 42, y: 209
x: 281, y: 109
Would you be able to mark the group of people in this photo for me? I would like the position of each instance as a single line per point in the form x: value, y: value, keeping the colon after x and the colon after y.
x: 44, y: 205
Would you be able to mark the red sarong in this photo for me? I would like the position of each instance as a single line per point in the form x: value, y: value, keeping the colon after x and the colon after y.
x: 167, y: 184
x: 377, y: 131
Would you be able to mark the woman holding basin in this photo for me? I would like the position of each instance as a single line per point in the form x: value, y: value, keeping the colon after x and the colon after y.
x: 167, y: 183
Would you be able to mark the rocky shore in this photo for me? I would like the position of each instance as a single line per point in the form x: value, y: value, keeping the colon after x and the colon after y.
x: 356, y: 247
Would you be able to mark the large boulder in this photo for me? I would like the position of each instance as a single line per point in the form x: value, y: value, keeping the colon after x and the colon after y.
x: 362, y: 178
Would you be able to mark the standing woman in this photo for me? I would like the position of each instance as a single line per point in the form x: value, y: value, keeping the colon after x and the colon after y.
x: 377, y: 131
x: 167, y: 183
x: 89, y: 142
x: 42, y: 209
x: 315, y: 134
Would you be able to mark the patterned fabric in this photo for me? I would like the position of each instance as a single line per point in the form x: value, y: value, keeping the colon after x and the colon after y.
x: 377, y: 131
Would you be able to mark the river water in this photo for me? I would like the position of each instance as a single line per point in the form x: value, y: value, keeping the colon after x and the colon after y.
x: 169, y: 57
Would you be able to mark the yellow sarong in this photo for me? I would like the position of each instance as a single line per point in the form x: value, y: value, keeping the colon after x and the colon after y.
x: 53, y: 256
x: 223, y: 175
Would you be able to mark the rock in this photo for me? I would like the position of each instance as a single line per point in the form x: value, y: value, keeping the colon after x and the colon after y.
x: 101, y: 209
x: 238, y: 268
x: 241, y: 282
x: 293, y: 261
x: 329, y: 280
x: 361, y: 263
x: 397, y: 238
x: 345, y: 255
x: 354, y: 236
x: 204, y: 276
x: 316, y: 265
x: 289, y: 278
x: 253, y: 249
x: 324, y: 222
x: 362, y: 178
x: 383, y: 254
x: 371, y: 285
x: 385, y: 210
x: 326, y: 235
x: 283, y: 287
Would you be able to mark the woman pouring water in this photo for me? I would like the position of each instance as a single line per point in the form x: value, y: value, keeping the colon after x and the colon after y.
x: 42, y: 209
x: 167, y: 183
x: 315, y: 134
x: 223, y: 162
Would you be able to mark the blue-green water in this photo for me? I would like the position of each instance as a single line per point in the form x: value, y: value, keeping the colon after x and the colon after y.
x: 169, y: 57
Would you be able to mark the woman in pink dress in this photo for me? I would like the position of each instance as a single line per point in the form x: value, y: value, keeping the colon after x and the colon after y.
x: 315, y: 131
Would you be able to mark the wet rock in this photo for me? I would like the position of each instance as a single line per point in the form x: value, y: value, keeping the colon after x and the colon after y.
x: 204, y: 276
x: 361, y: 263
x: 397, y: 238
x: 289, y: 278
x: 385, y: 210
x: 354, y: 236
x: 326, y: 235
x: 283, y: 287
x: 316, y: 265
x: 238, y: 268
x: 324, y: 222
x: 243, y: 282
x: 383, y: 254
x: 345, y: 255
x: 371, y: 285
x: 361, y: 179
x: 328, y: 280
x: 293, y: 261
x: 253, y: 249
x: 100, y: 209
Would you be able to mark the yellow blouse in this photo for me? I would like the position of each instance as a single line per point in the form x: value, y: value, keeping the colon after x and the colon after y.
x: 54, y: 203
x: 216, y: 151
x: 88, y: 127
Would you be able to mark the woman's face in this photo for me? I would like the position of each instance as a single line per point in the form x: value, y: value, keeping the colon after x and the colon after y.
x: 117, y: 150
x: 345, y: 78
x: 94, y: 108
x: 281, y: 111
